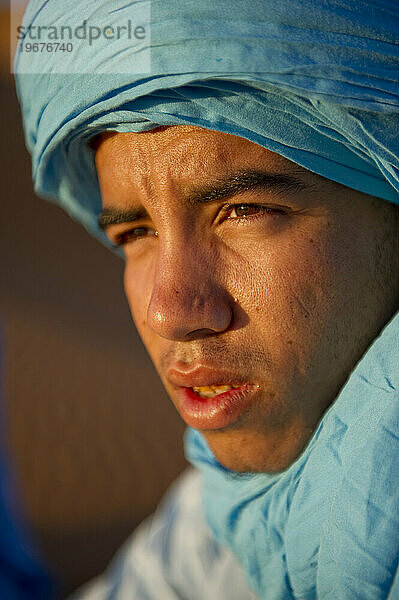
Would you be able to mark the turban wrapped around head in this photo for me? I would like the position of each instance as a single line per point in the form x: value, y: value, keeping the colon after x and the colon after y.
x: 313, y: 80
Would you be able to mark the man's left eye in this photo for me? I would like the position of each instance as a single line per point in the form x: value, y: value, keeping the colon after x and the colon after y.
x: 242, y: 211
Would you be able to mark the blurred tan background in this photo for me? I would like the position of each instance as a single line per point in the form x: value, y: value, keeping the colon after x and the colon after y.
x: 93, y: 437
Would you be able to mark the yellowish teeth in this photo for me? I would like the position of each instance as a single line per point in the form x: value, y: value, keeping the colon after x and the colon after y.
x: 209, y: 391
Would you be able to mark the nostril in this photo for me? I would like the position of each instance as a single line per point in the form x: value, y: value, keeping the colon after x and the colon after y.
x: 196, y: 333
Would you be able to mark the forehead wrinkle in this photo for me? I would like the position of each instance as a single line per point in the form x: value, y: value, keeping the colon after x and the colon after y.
x: 180, y: 154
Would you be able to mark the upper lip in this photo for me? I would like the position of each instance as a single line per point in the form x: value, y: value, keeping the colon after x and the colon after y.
x: 202, y: 375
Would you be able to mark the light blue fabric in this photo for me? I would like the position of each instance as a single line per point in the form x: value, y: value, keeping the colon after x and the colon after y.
x: 328, y: 526
x: 314, y: 80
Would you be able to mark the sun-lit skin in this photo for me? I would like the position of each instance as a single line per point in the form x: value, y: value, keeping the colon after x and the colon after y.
x: 289, y: 299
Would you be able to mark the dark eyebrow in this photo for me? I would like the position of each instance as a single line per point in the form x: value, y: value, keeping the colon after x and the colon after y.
x: 115, y: 216
x: 240, y: 181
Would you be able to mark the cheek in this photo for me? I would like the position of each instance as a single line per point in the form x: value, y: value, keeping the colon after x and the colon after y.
x: 274, y: 275
x: 137, y: 289
x: 289, y: 291
x: 137, y: 285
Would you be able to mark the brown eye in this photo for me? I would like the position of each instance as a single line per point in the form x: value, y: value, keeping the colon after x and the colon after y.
x: 134, y: 234
x: 244, y: 210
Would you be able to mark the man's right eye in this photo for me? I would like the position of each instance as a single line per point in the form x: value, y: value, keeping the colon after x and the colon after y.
x: 132, y: 235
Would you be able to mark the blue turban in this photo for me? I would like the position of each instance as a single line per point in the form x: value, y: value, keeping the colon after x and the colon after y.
x: 313, y: 80
x: 317, y: 82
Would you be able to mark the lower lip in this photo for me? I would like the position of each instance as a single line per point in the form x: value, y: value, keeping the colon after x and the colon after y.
x: 217, y: 412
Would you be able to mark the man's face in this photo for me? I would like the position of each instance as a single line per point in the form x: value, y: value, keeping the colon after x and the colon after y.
x: 274, y: 284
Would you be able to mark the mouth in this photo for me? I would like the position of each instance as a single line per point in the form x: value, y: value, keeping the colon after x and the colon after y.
x: 215, y: 406
x: 209, y: 398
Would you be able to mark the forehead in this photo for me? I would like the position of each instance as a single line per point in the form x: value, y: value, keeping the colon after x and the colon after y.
x: 178, y: 154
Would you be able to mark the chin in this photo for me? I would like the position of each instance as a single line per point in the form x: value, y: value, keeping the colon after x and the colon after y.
x: 246, y: 457
x: 256, y: 452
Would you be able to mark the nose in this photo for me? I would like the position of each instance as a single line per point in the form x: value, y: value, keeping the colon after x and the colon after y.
x: 186, y: 301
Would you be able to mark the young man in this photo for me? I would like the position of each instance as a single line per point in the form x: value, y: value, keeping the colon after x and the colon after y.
x: 251, y: 184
